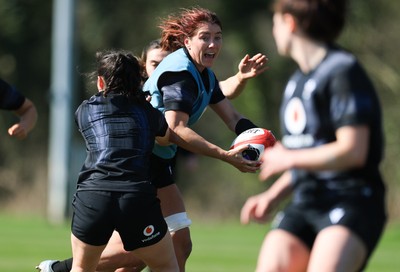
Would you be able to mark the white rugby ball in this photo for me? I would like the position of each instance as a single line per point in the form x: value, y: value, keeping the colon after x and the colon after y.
x: 257, y: 140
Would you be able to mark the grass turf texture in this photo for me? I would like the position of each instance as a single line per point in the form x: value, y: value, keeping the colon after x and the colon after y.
x: 217, y: 247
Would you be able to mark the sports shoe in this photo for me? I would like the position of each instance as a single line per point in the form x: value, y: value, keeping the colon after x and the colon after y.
x: 45, y: 266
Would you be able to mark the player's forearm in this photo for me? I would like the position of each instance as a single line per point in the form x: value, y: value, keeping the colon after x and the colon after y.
x: 233, y: 86
x: 193, y: 142
x: 348, y: 151
x: 281, y: 188
x: 28, y: 115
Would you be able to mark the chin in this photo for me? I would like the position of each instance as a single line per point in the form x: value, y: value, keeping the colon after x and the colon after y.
x: 208, y: 64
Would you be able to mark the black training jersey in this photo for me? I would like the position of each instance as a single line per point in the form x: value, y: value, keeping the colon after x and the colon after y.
x: 119, y: 136
x: 337, y: 93
x: 10, y: 98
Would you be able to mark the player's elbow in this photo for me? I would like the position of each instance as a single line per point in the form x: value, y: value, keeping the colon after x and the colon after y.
x: 356, y: 158
x: 164, y: 140
x: 359, y: 160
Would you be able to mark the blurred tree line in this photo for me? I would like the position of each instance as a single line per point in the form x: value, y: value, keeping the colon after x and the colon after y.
x: 214, y: 188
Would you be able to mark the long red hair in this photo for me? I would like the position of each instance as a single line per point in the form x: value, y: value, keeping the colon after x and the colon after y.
x: 176, y: 27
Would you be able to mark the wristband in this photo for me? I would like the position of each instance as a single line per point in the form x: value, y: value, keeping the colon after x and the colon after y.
x: 243, y: 124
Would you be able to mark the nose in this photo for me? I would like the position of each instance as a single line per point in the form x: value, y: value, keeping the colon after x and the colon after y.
x: 214, y: 43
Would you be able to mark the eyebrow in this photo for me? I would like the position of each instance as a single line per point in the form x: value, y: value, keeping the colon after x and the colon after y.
x: 208, y: 32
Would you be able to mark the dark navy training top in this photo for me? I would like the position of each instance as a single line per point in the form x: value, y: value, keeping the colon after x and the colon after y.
x: 10, y: 98
x: 119, y: 136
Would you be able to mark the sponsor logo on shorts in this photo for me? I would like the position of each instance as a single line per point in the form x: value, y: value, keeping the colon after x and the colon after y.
x: 149, y: 230
x: 336, y: 214
x: 149, y: 233
x: 277, y: 219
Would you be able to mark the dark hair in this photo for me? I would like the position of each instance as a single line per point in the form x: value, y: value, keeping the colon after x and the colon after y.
x: 175, y: 28
x: 121, y: 73
x: 155, y: 44
x: 322, y: 20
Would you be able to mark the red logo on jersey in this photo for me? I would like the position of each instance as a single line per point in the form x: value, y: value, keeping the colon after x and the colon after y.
x: 295, y: 116
x: 149, y: 230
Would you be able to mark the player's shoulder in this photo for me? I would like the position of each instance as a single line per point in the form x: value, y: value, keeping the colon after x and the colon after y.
x: 337, y: 63
x: 339, y: 59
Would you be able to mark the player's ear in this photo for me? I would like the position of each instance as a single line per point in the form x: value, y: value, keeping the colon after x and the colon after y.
x: 186, y: 42
x: 290, y: 21
x: 100, y: 83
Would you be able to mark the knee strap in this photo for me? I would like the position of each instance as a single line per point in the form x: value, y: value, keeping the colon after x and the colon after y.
x: 177, y: 221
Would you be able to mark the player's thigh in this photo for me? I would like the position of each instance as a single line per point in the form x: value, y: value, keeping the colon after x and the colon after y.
x: 94, y: 214
x: 159, y: 256
x: 282, y: 251
x: 114, y: 256
x: 337, y: 248
x: 171, y: 200
x: 85, y: 256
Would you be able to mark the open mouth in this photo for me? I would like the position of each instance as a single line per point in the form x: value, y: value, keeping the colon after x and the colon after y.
x: 209, y: 55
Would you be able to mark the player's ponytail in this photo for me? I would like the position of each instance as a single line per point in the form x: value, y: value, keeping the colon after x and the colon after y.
x: 121, y: 72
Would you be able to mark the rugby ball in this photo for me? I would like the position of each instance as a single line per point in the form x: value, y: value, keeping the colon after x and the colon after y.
x: 257, y: 140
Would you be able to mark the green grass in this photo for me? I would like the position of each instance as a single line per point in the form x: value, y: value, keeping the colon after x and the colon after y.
x: 217, y: 247
x: 224, y: 247
x: 25, y: 241
x: 386, y: 257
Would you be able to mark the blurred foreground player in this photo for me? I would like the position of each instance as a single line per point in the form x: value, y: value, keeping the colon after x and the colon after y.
x: 330, y: 152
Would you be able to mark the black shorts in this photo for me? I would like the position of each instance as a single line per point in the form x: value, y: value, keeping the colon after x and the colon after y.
x: 363, y: 215
x: 137, y: 218
x: 161, y: 171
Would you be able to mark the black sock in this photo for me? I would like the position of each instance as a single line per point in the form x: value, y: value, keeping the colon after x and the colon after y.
x: 62, y: 266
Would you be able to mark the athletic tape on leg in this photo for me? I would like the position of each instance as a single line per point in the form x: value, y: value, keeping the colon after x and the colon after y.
x: 177, y: 221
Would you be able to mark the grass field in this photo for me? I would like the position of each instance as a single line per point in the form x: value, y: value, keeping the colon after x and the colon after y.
x: 218, y: 247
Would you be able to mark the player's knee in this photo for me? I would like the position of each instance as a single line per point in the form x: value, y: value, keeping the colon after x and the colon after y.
x: 186, y: 248
x: 182, y: 246
x: 178, y: 221
x: 183, y: 249
x: 178, y: 225
x: 182, y: 243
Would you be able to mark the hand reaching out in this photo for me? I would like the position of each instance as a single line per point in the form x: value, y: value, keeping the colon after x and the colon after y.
x: 252, y: 67
x: 248, y: 68
x: 275, y: 160
x: 256, y: 208
x: 28, y: 117
x: 18, y: 131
